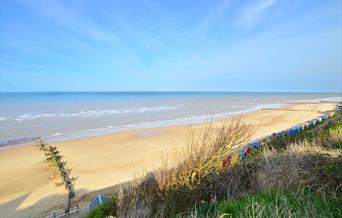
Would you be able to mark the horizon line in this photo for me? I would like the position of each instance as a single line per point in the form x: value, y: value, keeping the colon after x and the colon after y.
x: 169, y: 91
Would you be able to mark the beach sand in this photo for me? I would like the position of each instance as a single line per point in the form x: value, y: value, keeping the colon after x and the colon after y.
x: 27, y: 185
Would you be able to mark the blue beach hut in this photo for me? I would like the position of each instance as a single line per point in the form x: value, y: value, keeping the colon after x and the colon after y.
x: 255, y: 145
x: 100, y: 199
x: 242, y: 154
x: 296, y: 129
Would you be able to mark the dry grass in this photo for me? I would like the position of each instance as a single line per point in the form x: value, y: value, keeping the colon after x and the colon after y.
x: 198, y: 175
x: 307, y: 167
x: 190, y: 178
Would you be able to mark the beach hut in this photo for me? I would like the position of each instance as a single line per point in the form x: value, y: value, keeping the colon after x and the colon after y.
x: 273, y: 137
x: 255, y: 144
x: 303, y: 125
x: 282, y: 134
x: 245, y: 152
x: 320, y: 118
x: 100, y: 199
x: 286, y: 132
x: 279, y: 135
x: 309, y: 124
x: 325, y: 116
x: 296, y: 129
x: 248, y: 150
x: 339, y: 108
x: 226, y: 161
x: 235, y: 158
x: 242, y: 154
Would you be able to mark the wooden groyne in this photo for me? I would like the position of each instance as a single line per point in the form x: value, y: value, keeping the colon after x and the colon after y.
x: 54, y: 157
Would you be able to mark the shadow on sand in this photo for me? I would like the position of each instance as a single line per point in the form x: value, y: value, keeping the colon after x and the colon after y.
x: 41, y: 208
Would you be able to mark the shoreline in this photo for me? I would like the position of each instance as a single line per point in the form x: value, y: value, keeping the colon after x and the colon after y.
x: 192, y: 120
x: 105, y: 160
x: 196, y: 120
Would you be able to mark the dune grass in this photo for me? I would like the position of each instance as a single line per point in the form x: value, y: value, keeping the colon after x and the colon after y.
x: 310, y: 162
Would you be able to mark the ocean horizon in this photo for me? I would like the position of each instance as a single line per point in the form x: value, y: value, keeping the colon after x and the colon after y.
x: 67, y: 115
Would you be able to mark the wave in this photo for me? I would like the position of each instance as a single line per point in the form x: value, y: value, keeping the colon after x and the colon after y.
x: 91, y: 113
x: 194, y: 119
x: 317, y: 100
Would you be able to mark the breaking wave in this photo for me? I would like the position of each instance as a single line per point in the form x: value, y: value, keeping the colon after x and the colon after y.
x: 91, y: 113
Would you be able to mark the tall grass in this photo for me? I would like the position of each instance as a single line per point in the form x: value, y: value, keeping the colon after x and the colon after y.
x: 297, y: 203
x: 198, y: 174
x: 191, y: 176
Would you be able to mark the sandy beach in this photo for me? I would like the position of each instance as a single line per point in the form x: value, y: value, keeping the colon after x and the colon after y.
x: 28, y: 183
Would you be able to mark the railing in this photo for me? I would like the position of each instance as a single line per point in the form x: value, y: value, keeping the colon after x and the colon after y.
x: 59, y: 214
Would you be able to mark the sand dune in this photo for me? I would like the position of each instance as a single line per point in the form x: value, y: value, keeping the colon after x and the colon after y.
x: 28, y: 188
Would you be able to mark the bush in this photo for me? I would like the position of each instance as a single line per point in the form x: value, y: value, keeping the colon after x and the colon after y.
x: 190, y: 179
x: 304, y: 160
x: 332, y: 137
x: 300, y: 203
x: 109, y: 208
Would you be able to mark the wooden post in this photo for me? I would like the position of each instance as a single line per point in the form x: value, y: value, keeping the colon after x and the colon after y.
x: 52, y: 153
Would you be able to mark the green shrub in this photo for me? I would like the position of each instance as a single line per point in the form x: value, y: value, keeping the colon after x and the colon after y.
x: 109, y: 208
x: 308, y: 159
x: 276, y: 204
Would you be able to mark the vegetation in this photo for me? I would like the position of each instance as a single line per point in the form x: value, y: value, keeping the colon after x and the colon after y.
x: 297, y: 176
x: 104, y: 210
x: 328, y: 133
x: 299, y: 203
x: 332, y: 137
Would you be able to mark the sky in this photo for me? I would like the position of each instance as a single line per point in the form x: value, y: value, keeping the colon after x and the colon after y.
x: 178, y: 45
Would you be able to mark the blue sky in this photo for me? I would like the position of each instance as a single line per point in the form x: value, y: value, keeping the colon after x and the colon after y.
x: 154, y: 45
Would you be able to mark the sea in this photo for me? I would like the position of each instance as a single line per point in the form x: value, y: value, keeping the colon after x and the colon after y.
x: 67, y: 115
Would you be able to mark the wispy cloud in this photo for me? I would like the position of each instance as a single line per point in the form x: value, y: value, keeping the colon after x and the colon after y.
x: 212, y: 16
x: 250, y: 14
x: 170, y: 45
x: 67, y: 17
